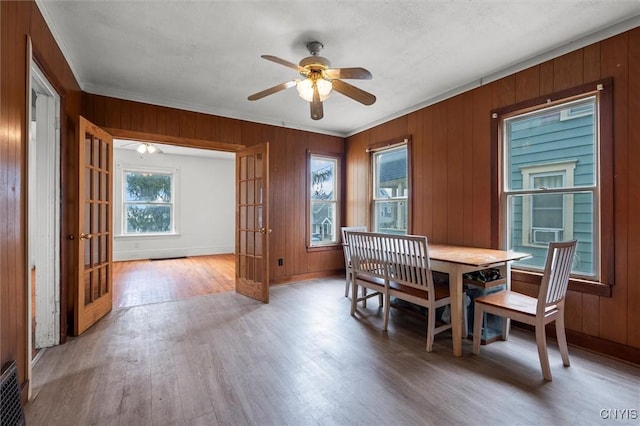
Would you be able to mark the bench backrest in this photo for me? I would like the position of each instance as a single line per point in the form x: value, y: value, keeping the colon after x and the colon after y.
x: 403, y: 259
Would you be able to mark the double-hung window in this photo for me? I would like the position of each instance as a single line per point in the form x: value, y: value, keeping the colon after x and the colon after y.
x: 554, y: 175
x: 148, y: 202
x: 390, y: 190
x: 324, y: 197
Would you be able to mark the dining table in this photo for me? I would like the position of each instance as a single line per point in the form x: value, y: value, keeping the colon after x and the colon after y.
x: 459, y: 260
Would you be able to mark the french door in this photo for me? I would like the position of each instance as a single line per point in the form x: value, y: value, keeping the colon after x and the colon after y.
x: 252, y: 222
x: 94, y: 234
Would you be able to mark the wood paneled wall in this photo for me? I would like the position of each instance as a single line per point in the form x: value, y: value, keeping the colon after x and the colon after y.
x: 20, y: 20
x: 452, y: 168
x: 287, y: 156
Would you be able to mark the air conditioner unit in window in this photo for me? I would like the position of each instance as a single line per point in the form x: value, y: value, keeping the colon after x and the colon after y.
x: 546, y: 235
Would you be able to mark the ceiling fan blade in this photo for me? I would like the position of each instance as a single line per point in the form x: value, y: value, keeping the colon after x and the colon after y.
x: 284, y: 62
x: 316, y: 105
x: 272, y: 90
x: 349, y: 73
x: 353, y: 92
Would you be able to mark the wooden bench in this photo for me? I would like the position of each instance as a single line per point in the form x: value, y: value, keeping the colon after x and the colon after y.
x: 396, y: 266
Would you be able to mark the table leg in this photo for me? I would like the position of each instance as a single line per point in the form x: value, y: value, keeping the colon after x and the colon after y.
x: 455, y: 289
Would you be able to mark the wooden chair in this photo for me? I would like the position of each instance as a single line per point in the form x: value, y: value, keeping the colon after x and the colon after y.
x: 347, y: 255
x: 397, y: 266
x: 547, y: 307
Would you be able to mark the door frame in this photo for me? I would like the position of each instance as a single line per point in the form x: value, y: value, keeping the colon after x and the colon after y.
x: 44, y: 208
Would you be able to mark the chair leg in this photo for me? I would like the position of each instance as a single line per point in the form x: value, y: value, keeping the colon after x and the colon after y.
x: 541, y: 341
x: 386, y: 307
x: 562, y: 340
x: 364, y: 298
x: 346, y: 285
x: 477, y: 327
x: 431, y: 328
x: 380, y: 300
x: 354, y: 296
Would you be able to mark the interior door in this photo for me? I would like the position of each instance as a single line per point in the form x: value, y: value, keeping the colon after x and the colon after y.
x: 94, y: 241
x: 252, y: 222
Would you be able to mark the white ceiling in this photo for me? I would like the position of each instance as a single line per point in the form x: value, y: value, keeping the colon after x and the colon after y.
x: 132, y: 145
x: 205, y: 55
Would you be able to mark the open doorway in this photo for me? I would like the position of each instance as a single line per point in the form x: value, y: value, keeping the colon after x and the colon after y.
x: 174, y: 221
x: 43, y: 220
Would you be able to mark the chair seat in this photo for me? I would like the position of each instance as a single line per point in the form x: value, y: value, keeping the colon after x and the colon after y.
x: 441, y: 290
x: 512, y: 301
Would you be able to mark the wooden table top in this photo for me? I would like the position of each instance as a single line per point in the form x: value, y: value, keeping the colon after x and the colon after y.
x: 473, y: 256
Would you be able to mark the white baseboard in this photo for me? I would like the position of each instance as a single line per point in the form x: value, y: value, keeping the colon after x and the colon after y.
x: 164, y: 253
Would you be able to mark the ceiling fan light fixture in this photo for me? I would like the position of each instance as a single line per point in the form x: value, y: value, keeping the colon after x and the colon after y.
x: 305, y: 88
x: 145, y: 148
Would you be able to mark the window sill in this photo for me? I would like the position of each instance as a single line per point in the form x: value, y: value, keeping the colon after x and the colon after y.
x: 328, y: 247
x: 581, y: 286
x: 149, y: 236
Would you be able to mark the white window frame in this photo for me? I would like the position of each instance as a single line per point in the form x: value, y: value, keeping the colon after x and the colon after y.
x: 399, y: 196
x: 174, y: 174
x: 335, y: 200
x: 507, y: 193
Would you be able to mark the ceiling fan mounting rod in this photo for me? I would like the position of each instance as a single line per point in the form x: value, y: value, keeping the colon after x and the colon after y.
x: 315, y: 47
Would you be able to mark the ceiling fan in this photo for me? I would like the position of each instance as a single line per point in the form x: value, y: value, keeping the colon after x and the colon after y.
x: 319, y: 80
x: 144, y: 147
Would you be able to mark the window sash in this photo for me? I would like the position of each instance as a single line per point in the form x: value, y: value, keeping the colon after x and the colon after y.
x: 156, y: 205
x: 324, y: 193
x: 395, y: 196
x: 536, y: 164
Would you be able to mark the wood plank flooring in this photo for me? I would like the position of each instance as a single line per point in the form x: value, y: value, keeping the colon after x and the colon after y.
x: 141, y: 282
x: 303, y: 360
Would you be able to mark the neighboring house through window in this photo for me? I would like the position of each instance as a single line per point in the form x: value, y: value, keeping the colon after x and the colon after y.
x: 390, y: 190
x: 552, y: 180
x: 148, y: 202
x: 324, y: 195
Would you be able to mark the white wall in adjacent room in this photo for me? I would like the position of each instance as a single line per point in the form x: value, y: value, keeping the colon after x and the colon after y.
x: 205, y: 206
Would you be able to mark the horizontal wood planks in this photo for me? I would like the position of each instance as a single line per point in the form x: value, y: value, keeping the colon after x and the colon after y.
x: 453, y: 169
x: 304, y: 360
x: 140, y: 282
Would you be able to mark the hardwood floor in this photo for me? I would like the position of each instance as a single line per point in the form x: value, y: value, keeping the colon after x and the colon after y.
x: 303, y: 360
x: 140, y: 282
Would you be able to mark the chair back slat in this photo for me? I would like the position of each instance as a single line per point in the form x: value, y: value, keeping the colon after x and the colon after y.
x: 555, y: 280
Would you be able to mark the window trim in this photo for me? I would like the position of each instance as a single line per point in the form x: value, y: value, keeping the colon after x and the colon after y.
x: 339, y: 158
x: 174, y: 173
x: 603, y: 89
x: 385, y: 146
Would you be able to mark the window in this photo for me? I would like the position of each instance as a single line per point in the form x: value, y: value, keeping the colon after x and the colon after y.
x: 390, y: 190
x: 148, y: 202
x: 554, y: 177
x: 547, y: 217
x: 324, y: 194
